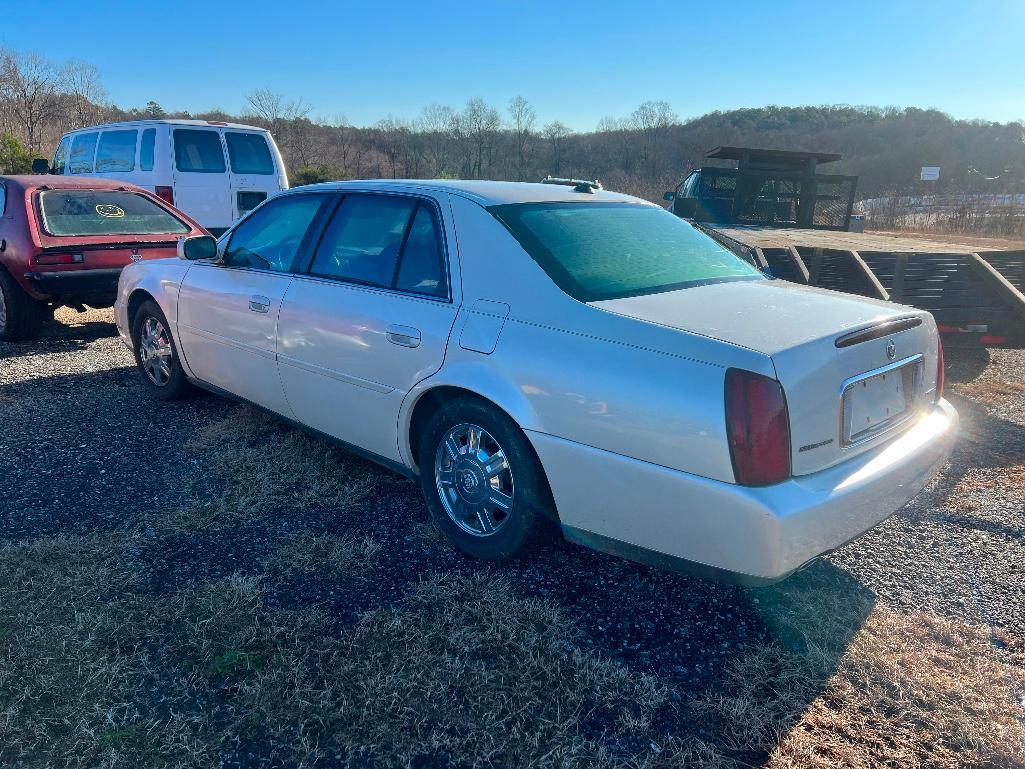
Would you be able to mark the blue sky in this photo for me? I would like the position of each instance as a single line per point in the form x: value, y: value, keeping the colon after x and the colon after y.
x: 574, y: 61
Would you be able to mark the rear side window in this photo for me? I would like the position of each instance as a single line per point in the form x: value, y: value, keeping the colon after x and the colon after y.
x: 270, y: 238
x: 116, y: 151
x: 384, y: 241
x: 596, y: 251
x: 198, y: 151
x: 83, y: 148
x: 60, y: 157
x: 248, y: 153
x: 3, y: 199
x: 105, y: 212
x: 146, y: 149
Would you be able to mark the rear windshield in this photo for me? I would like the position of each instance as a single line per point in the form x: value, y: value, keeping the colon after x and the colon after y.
x: 105, y: 212
x: 596, y: 251
x: 198, y: 151
x: 248, y: 153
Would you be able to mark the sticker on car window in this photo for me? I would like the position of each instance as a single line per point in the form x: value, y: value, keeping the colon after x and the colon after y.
x: 110, y: 211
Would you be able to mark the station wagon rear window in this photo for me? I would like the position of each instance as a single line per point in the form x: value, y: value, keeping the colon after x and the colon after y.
x: 248, y: 153
x: 198, y: 151
x: 105, y: 212
x: 596, y: 251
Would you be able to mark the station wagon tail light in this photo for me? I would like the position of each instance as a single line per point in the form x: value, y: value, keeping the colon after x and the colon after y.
x: 166, y: 194
x: 940, y: 375
x: 757, y: 427
x: 59, y: 258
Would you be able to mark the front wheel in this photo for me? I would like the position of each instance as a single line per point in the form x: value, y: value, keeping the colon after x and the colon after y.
x: 484, y: 486
x: 156, y: 357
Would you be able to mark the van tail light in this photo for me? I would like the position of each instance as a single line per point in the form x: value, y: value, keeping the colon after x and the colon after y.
x: 166, y: 194
x: 59, y: 258
x: 758, y: 428
x: 940, y: 375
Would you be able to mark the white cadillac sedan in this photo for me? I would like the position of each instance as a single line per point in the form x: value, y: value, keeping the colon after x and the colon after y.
x: 537, y: 350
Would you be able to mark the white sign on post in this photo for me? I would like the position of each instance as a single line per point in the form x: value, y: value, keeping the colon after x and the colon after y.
x: 930, y: 173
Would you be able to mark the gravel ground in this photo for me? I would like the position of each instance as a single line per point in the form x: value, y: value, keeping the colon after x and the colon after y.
x: 82, y: 450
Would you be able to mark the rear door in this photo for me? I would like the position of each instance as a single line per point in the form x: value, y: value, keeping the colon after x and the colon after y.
x: 370, y: 318
x: 254, y: 174
x: 201, y: 184
x: 228, y: 311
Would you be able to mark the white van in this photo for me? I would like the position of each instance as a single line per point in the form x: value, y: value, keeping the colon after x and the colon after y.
x: 211, y: 170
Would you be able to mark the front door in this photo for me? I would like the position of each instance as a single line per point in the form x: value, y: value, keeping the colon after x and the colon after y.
x: 370, y: 318
x: 228, y: 311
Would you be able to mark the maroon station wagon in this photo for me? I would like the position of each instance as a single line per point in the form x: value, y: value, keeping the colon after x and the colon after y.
x: 64, y: 241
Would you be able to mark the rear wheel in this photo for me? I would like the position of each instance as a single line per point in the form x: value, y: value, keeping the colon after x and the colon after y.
x: 156, y: 356
x: 484, y: 486
x: 20, y: 315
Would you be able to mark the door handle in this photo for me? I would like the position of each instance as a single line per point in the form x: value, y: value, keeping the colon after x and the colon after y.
x: 259, y: 304
x: 404, y: 336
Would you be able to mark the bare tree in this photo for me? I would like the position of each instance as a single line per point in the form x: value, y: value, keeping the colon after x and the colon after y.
x: 89, y: 101
x: 522, y: 119
x: 29, y: 89
x: 288, y: 120
x: 653, y: 119
x: 479, y: 123
x: 435, y: 124
x: 555, y: 134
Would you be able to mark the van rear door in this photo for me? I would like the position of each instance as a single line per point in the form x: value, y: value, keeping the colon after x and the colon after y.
x: 201, y: 184
x: 255, y: 165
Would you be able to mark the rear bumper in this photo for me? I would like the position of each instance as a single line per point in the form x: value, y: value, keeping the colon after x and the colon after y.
x: 75, y: 282
x: 689, y: 523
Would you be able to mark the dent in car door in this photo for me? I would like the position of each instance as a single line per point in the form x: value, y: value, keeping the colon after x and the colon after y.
x: 349, y: 353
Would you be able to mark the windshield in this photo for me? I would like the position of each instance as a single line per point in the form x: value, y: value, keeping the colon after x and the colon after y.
x: 105, y: 212
x: 596, y: 251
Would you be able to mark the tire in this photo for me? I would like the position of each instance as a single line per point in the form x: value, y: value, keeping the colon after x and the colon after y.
x: 156, y: 355
x: 21, y: 316
x: 468, y: 492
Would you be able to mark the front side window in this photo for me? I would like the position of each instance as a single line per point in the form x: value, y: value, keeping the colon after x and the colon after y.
x: 596, y: 251
x: 146, y: 149
x: 270, y: 238
x: 248, y: 153
x: 198, y: 151
x: 385, y: 241
x: 60, y: 157
x: 83, y: 149
x: 105, y: 212
x: 116, y: 151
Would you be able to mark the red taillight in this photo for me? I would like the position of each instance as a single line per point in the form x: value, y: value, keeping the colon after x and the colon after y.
x: 992, y: 339
x: 757, y: 428
x: 166, y: 194
x: 940, y: 376
x: 59, y: 258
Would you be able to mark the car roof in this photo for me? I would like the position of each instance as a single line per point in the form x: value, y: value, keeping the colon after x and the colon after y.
x: 60, y: 182
x: 168, y: 121
x: 486, y: 193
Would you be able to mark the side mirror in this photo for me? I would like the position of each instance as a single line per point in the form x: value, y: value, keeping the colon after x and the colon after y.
x: 197, y: 247
x: 669, y: 196
x: 40, y: 166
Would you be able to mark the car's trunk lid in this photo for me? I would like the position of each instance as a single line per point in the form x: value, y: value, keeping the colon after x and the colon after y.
x: 798, y: 328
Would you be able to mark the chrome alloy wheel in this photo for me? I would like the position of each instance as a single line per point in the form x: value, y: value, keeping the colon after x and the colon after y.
x: 474, y: 480
x: 155, y: 352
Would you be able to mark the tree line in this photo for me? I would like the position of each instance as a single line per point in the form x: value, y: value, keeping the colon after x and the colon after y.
x: 643, y: 153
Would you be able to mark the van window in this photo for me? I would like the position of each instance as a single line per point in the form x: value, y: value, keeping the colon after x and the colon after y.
x: 105, y: 212
x: 60, y: 157
x: 146, y: 149
x: 248, y: 153
x: 198, y: 151
x: 83, y: 148
x: 116, y: 151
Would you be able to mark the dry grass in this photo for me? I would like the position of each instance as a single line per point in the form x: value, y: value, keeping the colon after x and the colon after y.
x: 95, y: 672
x: 259, y: 466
